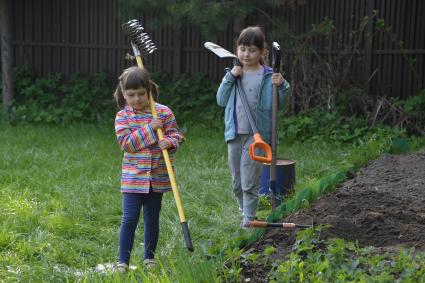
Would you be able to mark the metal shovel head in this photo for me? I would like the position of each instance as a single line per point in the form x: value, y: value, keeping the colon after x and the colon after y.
x: 218, y: 50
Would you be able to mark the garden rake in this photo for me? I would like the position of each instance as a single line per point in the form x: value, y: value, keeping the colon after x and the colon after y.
x: 141, y: 43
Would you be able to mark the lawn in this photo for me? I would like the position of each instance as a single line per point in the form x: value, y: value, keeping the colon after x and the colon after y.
x: 60, y: 204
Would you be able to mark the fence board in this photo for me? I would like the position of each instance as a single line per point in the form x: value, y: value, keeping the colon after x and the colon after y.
x: 71, y: 36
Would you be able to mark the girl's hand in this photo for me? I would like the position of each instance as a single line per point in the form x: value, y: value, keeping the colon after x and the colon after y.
x: 165, y: 144
x: 277, y: 79
x: 236, y: 71
x: 156, y: 123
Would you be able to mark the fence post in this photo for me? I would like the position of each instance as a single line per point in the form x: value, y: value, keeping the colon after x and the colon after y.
x: 177, y: 50
x: 369, y: 44
x: 6, y: 53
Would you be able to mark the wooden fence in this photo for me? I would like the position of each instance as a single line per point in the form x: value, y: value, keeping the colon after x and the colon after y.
x: 84, y: 36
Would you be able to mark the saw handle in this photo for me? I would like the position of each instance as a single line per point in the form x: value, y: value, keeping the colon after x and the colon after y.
x: 263, y: 146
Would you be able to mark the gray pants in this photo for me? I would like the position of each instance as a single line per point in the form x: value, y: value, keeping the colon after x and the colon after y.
x: 245, y: 175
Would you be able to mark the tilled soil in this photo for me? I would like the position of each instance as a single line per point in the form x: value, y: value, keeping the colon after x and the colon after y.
x: 382, y: 206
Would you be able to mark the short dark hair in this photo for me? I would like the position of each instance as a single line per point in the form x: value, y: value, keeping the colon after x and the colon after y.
x: 251, y: 36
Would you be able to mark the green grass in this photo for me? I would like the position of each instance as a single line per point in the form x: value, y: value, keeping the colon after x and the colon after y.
x: 60, y: 204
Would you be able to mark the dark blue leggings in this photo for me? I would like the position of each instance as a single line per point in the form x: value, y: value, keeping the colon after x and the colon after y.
x: 131, y: 205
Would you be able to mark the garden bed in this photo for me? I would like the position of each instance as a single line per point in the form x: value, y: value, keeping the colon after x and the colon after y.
x: 382, y: 206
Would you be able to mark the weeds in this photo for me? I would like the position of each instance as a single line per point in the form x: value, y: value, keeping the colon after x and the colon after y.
x: 344, y: 261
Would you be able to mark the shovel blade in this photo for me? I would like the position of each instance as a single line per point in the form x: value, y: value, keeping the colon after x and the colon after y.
x: 218, y: 50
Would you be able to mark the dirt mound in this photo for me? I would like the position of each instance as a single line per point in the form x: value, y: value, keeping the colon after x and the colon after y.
x: 382, y: 206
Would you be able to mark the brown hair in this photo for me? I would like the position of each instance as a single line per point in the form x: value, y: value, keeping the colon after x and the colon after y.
x: 252, y: 36
x: 134, y: 78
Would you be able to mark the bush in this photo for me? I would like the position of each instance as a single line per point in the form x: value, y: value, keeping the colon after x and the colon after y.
x: 321, y: 125
x: 51, y: 100
x: 89, y: 99
x: 191, y: 99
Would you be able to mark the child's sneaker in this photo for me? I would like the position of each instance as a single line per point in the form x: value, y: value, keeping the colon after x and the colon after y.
x: 150, y: 263
x: 122, y: 267
x: 245, y: 223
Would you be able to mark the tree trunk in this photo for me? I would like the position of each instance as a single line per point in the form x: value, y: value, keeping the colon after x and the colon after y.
x: 6, y: 54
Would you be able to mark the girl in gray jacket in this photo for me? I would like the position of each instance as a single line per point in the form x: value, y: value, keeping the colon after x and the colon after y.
x: 256, y: 79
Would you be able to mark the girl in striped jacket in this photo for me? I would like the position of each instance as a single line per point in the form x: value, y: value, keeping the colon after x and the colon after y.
x: 144, y: 175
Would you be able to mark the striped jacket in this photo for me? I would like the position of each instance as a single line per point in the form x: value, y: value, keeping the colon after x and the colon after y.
x: 143, y: 165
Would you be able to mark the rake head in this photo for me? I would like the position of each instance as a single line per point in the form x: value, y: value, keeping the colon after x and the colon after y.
x: 140, y: 39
